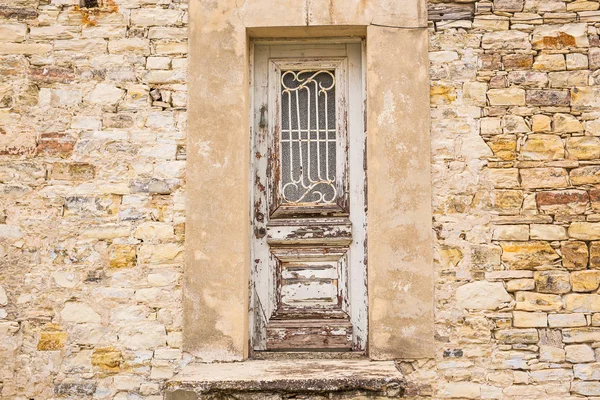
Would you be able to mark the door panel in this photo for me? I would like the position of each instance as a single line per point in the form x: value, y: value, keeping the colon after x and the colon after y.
x: 308, y: 250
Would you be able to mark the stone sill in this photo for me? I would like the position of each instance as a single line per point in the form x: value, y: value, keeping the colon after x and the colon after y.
x: 379, y: 378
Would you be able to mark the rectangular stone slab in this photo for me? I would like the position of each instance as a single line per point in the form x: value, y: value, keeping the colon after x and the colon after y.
x: 294, y: 376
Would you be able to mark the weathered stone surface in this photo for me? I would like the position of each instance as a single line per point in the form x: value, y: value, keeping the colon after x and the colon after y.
x: 523, y: 319
x: 107, y: 359
x: 547, y: 97
x: 122, y: 256
x: 542, y: 147
x: 542, y: 178
x: 506, y: 40
x: 581, y: 335
x: 562, y: 201
x: 580, y: 353
x: 528, y: 301
x: 482, y: 295
x: 52, y: 337
x: 585, y: 97
x: 574, y: 255
x: 566, y: 320
x: 511, y: 232
x: 552, y: 281
x: 560, y: 36
x: 585, y: 230
x: 582, y: 302
x: 506, y: 97
x: 595, y: 255
x: 79, y: 312
x: 528, y: 255
x: 550, y: 62
x: 583, y: 147
x: 585, y: 175
x: 585, y: 281
x: 586, y: 388
x: 512, y: 336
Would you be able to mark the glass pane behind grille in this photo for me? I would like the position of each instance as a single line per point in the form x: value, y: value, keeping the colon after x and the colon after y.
x: 308, y: 137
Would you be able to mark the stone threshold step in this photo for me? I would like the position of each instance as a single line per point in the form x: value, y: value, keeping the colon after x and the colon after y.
x: 268, y: 378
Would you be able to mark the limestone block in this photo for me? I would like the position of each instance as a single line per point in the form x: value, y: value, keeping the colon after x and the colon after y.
x: 475, y: 93
x: 585, y: 281
x: 548, y: 232
x: 580, y: 353
x: 583, y: 147
x: 552, y: 354
x: 581, y: 335
x: 3, y: 297
x: 506, y: 97
x: 161, y: 253
x: 53, y: 32
x: 107, y: 359
x: 541, y: 178
x: 585, y: 97
x: 517, y: 336
x: 529, y: 301
x: 508, y: 5
x: 562, y: 201
x: 582, y: 5
x: 566, y: 123
x: 542, y: 147
x: 482, y: 295
x: 576, y: 61
x: 507, y: 201
x: 503, y: 146
x: 560, y: 36
x: 122, y: 256
x: 158, y: 63
x: 552, y: 281
x: 550, y: 62
x: 595, y: 255
x: 585, y: 230
x: 105, y: 94
x: 506, y: 40
x: 552, y: 375
x: 79, y: 312
x: 52, y: 337
x: 81, y: 45
x: 568, y: 79
x: 541, y: 123
x: 155, y: 16
x: 585, y: 388
x: 582, y: 302
x: 107, y: 231
x: 592, y: 127
x: 501, y: 178
x: 574, y: 255
x: 143, y: 335
x: 13, y: 32
x: 510, y: 232
x: 25, y: 48
x: 528, y: 255
x: 547, y: 97
x: 594, y: 58
x: 517, y: 62
x: 171, y: 48
x: 522, y: 319
x: 515, y: 285
x: 461, y: 390
x: 137, y: 46
x: 441, y: 57
x: 442, y: 93
x: 587, y: 175
x: 514, y: 124
x: 566, y: 320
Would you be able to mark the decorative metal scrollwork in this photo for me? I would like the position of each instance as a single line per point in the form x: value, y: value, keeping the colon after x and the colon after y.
x: 308, y: 137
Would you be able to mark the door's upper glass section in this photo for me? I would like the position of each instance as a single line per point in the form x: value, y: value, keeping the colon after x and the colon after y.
x: 308, y: 137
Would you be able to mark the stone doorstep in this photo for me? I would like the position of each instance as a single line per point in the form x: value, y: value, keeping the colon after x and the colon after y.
x: 316, y: 377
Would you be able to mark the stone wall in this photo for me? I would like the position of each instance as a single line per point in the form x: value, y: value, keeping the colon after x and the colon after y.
x: 92, y: 123
x: 92, y: 143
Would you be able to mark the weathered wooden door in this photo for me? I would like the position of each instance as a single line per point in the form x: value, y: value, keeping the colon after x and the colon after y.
x: 308, y: 283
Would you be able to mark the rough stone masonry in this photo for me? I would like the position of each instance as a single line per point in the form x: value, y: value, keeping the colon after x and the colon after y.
x: 92, y: 143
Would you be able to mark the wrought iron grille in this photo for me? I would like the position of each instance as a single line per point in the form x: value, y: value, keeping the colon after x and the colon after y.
x: 308, y: 137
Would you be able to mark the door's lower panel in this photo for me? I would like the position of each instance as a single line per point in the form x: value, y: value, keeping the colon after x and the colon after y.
x: 313, y: 334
